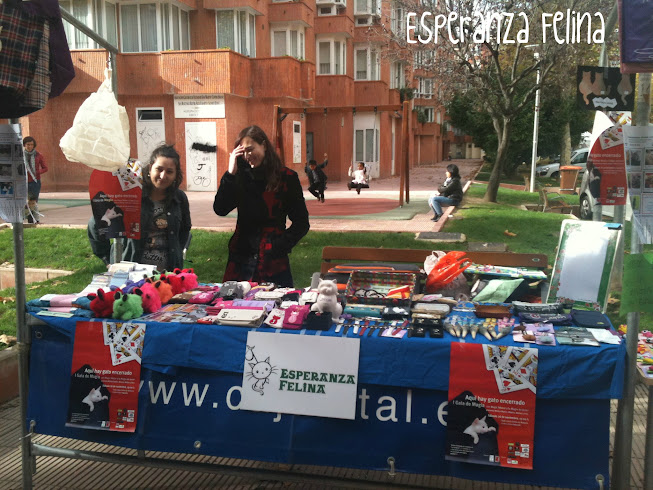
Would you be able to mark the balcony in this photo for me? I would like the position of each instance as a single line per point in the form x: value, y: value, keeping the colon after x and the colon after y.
x: 255, y: 5
x: 334, y: 90
x: 339, y: 3
x: 291, y: 12
x: 276, y: 77
x: 89, y: 70
x: 335, y: 24
x: 373, y: 92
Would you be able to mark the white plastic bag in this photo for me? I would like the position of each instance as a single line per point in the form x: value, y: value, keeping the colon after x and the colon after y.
x: 99, y: 136
x: 431, y: 260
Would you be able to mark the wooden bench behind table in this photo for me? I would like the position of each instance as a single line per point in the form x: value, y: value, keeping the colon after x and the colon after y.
x: 332, y: 256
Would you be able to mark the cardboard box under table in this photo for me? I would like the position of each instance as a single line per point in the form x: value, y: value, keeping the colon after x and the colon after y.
x: 192, y: 376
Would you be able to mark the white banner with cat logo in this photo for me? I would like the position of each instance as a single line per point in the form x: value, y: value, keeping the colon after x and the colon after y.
x: 301, y: 375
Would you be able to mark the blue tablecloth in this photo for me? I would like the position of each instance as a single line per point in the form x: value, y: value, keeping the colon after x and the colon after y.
x: 564, y: 371
x: 191, y: 390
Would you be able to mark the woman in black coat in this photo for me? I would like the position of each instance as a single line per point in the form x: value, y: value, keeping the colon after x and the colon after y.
x: 450, y: 192
x: 265, y: 193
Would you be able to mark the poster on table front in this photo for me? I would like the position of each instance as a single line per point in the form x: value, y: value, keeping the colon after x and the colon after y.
x: 13, y: 179
x: 116, y: 201
x: 607, y: 156
x: 105, y: 376
x: 301, y: 375
x: 491, y: 412
x: 639, y: 166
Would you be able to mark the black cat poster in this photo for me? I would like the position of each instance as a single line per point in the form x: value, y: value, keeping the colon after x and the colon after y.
x: 491, y: 412
x: 105, y: 376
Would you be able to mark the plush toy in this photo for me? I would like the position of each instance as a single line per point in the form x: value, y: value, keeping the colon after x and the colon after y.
x: 247, y: 287
x: 175, y: 282
x: 188, y: 278
x: 127, y: 306
x: 130, y: 285
x: 165, y: 291
x: 327, y: 298
x: 150, y: 297
x: 101, y: 303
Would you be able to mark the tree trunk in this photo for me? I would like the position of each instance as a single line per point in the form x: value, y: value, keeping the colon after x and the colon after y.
x: 502, y: 128
x: 565, y: 145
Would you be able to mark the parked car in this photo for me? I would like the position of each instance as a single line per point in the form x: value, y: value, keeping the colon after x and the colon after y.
x: 578, y: 157
x: 587, y: 203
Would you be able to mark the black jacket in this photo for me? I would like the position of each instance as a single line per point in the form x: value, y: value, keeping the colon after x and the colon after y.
x: 453, y: 190
x: 259, y: 247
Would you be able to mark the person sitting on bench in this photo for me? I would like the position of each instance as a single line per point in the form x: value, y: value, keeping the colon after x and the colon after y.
x: 450, y: 192
x: 360, y: 180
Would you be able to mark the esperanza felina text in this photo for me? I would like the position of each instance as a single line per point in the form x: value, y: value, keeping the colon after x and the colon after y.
x: 568, y: 27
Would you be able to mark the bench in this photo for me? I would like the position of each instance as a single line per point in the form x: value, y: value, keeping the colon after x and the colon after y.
x: 332, y: 256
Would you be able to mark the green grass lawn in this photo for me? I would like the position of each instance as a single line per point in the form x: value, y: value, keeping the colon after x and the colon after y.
x: 69, y: 249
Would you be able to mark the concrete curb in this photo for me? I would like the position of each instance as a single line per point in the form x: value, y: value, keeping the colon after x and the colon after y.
x: 8, y: 374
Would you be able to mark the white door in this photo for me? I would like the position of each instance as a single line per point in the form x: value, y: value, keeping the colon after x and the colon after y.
x: 150, y: 131
x: 201, y: 160
x: 366, y: 142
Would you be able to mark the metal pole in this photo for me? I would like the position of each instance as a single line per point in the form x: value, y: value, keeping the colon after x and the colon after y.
x: 623, y: 440
x: 23, y: 341
x: 619, y: 211
x: 536, y: 125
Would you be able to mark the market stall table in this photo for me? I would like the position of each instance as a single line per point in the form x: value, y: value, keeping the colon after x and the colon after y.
x: 190, y: 392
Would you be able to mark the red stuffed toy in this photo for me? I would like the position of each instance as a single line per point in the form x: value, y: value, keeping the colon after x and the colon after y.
x: 102, y: 303
x: 188, y: 278
x: 174, y: 281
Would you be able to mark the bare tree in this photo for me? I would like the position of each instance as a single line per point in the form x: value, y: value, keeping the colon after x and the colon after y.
x: 494, y: 49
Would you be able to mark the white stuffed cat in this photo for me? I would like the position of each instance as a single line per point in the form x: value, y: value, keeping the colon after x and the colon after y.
x: 327, y: 299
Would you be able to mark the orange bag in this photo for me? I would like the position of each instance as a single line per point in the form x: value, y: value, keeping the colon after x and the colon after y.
x: 446, y: 270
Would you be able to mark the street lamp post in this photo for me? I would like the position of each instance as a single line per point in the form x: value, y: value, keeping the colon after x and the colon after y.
x: 536, y: 124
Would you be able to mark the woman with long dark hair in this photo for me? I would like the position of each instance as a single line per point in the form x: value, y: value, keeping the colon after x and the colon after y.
x: 165, y: 217
x: 450, y: 193
x: 265, y: 193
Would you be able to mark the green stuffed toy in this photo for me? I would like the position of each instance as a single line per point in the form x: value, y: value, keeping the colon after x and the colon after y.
x: 127, y: 306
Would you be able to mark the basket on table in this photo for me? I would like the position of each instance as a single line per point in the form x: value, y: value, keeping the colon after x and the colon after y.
x: 373, y: 287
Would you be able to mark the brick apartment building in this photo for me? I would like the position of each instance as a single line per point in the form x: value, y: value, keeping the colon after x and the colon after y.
x: 200, y: 70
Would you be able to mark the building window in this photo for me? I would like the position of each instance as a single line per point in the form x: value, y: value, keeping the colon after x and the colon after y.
x: 331, y: 56
x: 424, y: 59
x: 367, y: 145
x: 287, y: 41
x: 175, y: 28
x: 367, y: 7
x: 151, y: 27
x: 425, y: 88
x: 99, y: 15
x: 429, y: 113
x: 397, y: 75
x: 366, y: 60
x: 398, y: 21
x: 236, y: 29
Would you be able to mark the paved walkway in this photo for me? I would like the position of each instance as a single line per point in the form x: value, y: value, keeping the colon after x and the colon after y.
x: 341, y: 211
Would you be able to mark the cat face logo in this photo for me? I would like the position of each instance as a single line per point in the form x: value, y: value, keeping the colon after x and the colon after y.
x: 260, y: 371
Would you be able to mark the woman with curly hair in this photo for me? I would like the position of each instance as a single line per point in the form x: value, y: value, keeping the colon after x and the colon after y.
x: 165, y: 217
